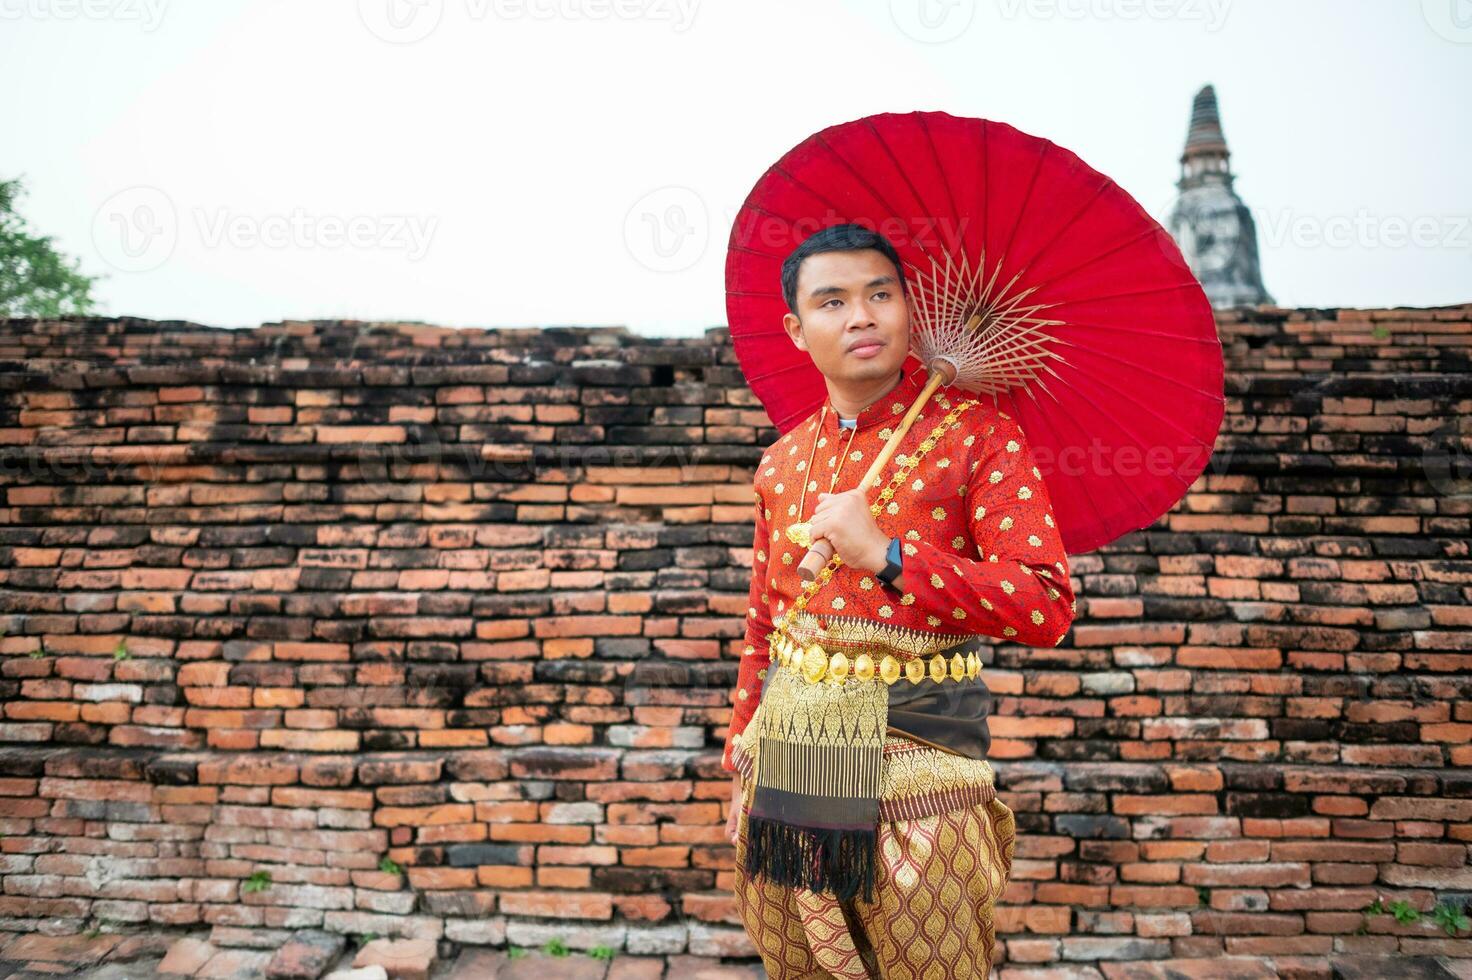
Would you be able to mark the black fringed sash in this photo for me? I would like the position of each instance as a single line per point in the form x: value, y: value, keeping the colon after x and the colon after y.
x: 814, y: 814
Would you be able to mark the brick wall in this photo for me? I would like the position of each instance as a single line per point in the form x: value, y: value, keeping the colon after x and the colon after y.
x: 302, y: 598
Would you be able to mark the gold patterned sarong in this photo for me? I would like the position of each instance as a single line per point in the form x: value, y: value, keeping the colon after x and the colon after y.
x: 944, y: 857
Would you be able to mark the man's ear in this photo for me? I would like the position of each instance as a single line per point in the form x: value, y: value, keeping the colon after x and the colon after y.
x: 793, y: 326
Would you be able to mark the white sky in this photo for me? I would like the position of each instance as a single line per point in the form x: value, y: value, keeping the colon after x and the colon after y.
x: 508, y: 167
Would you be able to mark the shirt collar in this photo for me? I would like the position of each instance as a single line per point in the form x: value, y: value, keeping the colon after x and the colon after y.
x: 889, y: 408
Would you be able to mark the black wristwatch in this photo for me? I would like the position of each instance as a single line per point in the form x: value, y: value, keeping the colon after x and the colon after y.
x: 893, y: 563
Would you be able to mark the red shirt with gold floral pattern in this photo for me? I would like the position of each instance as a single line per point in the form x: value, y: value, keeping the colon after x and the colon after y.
x: 981, y: 552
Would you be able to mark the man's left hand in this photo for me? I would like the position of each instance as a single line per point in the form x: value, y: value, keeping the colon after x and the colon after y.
x: 844, y: 519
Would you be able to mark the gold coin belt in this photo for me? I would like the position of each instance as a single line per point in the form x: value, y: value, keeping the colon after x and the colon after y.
x: 815, y: 664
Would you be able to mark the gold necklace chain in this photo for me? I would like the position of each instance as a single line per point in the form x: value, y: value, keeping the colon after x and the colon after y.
x: 885, y: 495
x: 812, y: 453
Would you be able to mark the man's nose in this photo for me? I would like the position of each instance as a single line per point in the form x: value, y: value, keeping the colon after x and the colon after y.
x: 860, y: 315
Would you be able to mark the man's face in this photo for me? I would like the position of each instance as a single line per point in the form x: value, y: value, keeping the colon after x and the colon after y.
x: 852, y: 318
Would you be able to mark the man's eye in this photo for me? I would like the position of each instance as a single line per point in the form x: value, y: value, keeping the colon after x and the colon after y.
x: 832, y: 301
x: 881, y: 294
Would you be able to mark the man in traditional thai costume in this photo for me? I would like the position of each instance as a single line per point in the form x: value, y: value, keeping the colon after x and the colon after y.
x: 870, y: 842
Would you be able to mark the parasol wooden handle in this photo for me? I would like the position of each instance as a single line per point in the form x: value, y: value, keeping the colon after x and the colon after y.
x: 942, y: 371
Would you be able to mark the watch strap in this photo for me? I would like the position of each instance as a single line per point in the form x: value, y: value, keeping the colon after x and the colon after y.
x: 894, y: 563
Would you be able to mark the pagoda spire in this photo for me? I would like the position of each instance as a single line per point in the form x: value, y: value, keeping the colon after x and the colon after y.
x: 1213, y: 227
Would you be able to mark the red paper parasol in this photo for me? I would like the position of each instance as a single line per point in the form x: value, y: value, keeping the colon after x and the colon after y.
x: 1093, y: 332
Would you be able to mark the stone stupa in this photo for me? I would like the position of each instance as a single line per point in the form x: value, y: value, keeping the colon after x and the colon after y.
x: 1213, y: 227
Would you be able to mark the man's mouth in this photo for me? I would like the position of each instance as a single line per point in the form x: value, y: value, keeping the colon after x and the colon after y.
x: 866, y: 348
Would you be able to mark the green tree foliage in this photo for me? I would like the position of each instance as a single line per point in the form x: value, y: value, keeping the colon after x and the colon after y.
x: 35, y: 279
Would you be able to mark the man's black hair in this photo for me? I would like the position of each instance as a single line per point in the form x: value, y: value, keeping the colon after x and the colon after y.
x: 838, y: 238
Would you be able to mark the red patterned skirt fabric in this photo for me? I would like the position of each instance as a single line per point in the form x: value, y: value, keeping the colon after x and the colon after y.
x: 938, y: 881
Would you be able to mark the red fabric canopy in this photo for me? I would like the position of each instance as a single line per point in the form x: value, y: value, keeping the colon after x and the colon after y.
x: 1125, y: 416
